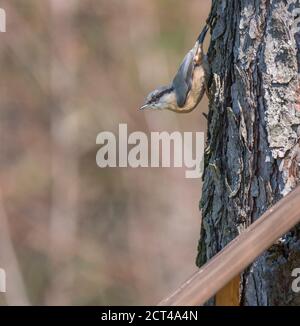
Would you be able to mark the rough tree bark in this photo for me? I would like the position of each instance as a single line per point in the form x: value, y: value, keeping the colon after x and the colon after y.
x: 253, y: 150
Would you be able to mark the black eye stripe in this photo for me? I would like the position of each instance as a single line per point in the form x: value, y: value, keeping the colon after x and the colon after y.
x: 154, y: 97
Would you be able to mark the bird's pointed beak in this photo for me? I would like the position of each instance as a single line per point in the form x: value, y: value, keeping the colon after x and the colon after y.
x: 144, y: 107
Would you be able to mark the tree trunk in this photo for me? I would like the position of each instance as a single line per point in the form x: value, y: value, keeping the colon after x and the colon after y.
x: 253, y: 150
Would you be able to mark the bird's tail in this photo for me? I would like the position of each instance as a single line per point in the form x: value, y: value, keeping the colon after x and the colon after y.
x: 202, y: 35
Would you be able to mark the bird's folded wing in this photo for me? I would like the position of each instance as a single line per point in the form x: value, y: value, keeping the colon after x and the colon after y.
x: 183, y: 80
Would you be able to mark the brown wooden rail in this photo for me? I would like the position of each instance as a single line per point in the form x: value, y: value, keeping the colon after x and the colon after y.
x: 239, y: 253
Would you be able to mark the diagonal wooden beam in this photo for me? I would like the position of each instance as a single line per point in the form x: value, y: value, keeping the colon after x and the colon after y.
x: 239, y: 253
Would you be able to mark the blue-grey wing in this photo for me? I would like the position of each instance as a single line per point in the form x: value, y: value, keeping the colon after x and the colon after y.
x: 183, y: 80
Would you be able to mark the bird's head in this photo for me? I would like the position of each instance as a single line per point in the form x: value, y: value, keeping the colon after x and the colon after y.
x: 163, y: 98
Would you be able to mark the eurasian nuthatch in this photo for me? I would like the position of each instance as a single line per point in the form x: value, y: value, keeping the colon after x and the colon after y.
x: 188, y: 86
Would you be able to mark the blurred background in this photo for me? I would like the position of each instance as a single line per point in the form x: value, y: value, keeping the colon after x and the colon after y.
x: 70, y: 232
